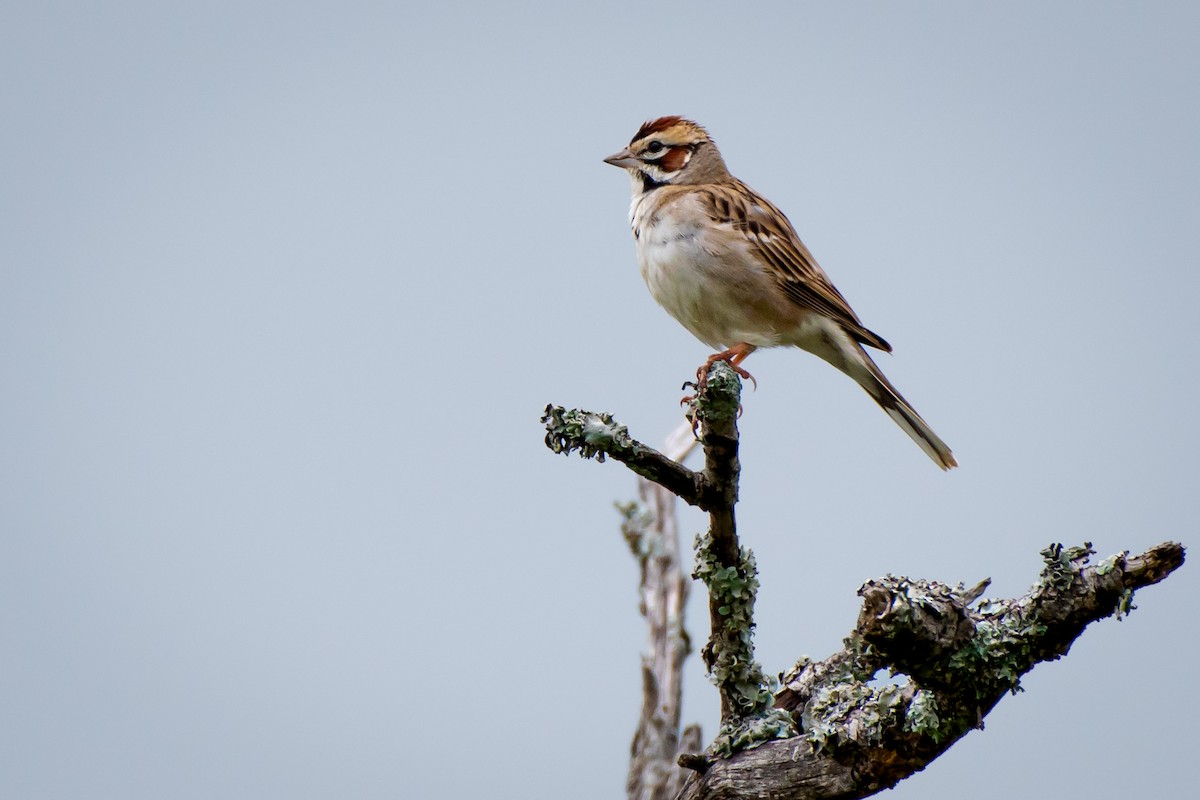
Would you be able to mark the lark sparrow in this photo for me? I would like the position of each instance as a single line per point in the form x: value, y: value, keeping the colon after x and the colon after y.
x: 727, y: 264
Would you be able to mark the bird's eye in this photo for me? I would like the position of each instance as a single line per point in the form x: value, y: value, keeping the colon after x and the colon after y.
x: 654, y: 147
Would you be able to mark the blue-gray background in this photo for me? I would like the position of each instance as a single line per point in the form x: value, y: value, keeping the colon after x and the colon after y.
x: 285, y: 286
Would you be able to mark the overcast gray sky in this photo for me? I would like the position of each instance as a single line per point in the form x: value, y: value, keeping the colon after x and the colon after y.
x: 285, y: 286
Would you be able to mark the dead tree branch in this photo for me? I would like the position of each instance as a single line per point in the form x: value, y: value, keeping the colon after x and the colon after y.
x: 832, y: 731
x: 598, y: 435
x: 956, y: 662
x: 727, y: 569
x: 651, y: 532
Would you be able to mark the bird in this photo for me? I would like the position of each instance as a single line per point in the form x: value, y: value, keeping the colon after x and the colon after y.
x: 729, y: 266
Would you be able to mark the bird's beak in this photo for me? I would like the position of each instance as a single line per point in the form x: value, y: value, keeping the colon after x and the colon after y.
x: 623, y: 159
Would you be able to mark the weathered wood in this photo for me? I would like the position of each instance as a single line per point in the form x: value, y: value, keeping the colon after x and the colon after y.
x: 650, y: 529
x: 951, y: 656
x: 880, y: 735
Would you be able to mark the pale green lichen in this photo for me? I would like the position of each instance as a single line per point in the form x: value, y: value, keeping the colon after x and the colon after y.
x: 851, y: 711
x: 1125, y: 604
x: 730, y: 655
x: 1009, y: 638
x: 591, y: 434
x: 847, y: 709
x: 921, y: 716
x: 912, y: 601
x: 1125, y: 600
x: 1004, y: 646
x: 721, y: 394
x: 1109, y: 564
x: 1006, y: 640
x: 1063, y: 564
x: 746, y: 733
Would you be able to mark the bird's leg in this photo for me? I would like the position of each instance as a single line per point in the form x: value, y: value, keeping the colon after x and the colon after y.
x: 733, y: 356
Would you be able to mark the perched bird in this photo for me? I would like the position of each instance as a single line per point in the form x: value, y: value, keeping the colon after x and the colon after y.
x: 729, y: 266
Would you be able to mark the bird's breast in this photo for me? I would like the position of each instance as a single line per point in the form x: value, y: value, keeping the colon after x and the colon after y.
x: 671, y: 262
x: 702, y: 274
x: 688, y: 277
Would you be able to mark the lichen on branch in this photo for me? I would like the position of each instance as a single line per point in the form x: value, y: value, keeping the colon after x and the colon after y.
x: 597, y: 435
x: 925, y: 664
x: 951, y: 659
x: 746, y: 690
x: 591, y: 434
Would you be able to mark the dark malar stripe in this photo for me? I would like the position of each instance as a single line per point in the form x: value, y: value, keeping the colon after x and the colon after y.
x: 648, y: 183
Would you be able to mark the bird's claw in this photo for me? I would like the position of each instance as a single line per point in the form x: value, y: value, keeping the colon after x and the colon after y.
x: 689, y: 398
x: 729, y: 358
x: 745, y: 376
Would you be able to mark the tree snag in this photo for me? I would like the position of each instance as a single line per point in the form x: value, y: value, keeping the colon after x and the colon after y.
x: 831, y: 730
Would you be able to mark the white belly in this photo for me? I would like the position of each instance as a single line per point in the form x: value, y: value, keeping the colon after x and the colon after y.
x: 702, y: 283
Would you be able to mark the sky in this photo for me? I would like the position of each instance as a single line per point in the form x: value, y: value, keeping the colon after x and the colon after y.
x: 284, y: 288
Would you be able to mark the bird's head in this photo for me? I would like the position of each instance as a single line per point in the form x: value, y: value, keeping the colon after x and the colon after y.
x: 671, y: 150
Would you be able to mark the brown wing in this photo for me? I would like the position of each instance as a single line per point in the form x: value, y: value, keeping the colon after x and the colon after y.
x: 776, y: 243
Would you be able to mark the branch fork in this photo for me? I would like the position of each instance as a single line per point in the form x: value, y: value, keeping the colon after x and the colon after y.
x: 727, y: 569
x: 830, y: 728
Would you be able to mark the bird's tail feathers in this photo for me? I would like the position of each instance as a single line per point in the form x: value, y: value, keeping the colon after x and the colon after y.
x: 869, y: 376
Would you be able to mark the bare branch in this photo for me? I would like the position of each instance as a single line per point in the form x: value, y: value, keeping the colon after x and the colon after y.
x: 650, y: 530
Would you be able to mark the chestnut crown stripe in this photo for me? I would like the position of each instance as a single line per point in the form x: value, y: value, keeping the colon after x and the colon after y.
x: 664, y: 123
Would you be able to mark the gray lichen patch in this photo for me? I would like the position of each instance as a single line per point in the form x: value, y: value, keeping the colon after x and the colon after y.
x: 962, y: 655
x: 721, y: 394
x: 851, y: 711
x: 730, y: 654
x: 1063, y: 565
x: 1006, y: 644
x: 921, y: 716
x: 848, y: 705
x: 590, y: 433
x: 746, y: 733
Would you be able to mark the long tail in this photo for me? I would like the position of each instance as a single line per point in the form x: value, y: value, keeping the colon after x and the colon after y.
x: 868, y: 376
x: 837, y: 347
